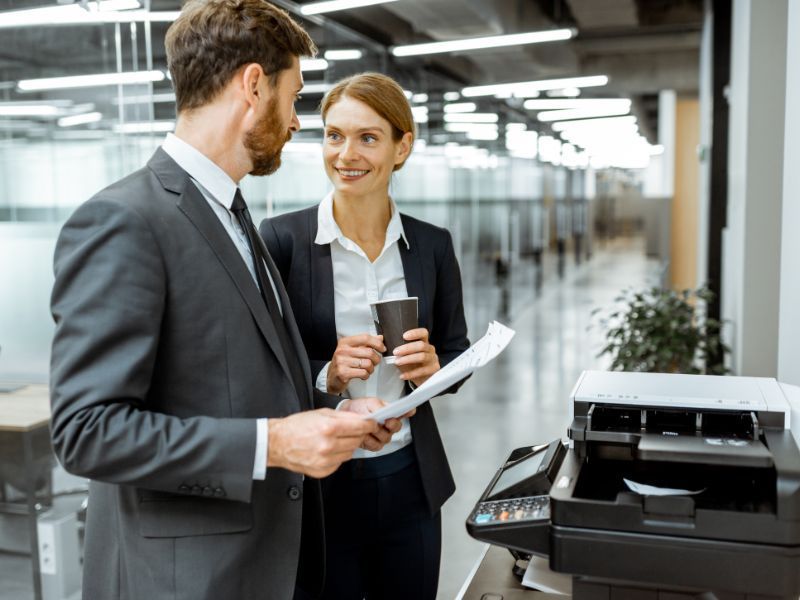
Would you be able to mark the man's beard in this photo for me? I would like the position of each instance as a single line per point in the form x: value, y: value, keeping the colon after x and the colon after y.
x: 265, y: 141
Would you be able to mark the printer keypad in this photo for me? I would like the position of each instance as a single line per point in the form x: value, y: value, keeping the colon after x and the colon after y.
x: 531, y: 508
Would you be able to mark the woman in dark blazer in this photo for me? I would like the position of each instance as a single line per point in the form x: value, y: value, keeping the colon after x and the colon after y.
x: 382, y: 519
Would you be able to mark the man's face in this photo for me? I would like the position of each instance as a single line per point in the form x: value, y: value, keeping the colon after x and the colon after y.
x: 278, y: 120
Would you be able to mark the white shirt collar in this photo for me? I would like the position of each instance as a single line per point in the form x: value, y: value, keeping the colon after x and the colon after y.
x: 328, y: 229
x: 201, y: 169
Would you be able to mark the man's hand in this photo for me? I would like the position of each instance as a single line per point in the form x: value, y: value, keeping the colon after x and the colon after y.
x: 416, y: 360
x: 355, y: 358
x: 366, y: 406
x: 316, y: 442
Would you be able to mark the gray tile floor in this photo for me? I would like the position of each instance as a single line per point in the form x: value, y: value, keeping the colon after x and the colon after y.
x: 519, y: 399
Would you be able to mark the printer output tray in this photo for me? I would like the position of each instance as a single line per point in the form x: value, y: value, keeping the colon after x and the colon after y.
x: 733, y: 504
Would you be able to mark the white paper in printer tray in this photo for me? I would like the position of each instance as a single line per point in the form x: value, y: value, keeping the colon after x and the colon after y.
x: 651, y: 490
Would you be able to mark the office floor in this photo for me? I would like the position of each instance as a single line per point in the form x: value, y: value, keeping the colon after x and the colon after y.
x: 520, y: 399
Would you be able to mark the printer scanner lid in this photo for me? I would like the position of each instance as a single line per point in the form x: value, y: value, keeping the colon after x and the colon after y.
x: 678, y: 391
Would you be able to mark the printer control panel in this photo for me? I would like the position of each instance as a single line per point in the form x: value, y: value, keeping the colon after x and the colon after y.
x: 517, y: 510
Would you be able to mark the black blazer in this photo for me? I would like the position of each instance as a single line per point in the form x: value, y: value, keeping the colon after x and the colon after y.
x: 431, y: 273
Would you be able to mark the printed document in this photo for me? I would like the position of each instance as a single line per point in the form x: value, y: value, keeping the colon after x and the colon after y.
x: 481, y: 352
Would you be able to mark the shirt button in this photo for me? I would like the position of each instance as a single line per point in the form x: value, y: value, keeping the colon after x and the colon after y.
x: 196, y: 489
x: 294, y: 493
x: 184, y: 488
x: 219, y: 493
x: 208, y: 491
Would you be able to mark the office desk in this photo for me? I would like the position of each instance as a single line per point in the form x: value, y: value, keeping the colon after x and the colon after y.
x: 492, y: 579
x: 26, y: 459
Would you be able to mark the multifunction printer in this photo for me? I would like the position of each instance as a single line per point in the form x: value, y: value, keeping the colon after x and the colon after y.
x: 669, y: 486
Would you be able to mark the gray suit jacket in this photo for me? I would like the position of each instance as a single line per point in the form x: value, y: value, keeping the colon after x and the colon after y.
x: 163, y: 357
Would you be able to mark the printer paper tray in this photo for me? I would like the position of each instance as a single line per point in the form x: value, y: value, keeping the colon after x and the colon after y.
x: 701, y: 564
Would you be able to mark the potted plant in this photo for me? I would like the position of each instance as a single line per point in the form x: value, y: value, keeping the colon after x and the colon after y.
x: 664, y: 331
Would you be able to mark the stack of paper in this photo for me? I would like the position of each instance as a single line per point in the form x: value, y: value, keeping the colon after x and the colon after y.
x: 481, y: 352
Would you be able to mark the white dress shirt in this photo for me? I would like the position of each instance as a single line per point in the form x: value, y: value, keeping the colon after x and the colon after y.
x: 356, y: 283
x: 219, y: 190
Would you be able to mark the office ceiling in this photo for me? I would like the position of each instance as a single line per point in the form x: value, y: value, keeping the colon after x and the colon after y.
x: 643, y: 46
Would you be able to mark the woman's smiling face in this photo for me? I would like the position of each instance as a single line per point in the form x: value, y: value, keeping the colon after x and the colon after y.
x: 359, y: 151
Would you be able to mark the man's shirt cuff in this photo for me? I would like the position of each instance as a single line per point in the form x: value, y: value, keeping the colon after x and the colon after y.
x: 262, y: 448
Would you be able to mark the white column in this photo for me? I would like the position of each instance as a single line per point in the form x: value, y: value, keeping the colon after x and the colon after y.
x: 751, y: 241
x: 667, y: 100
x: 789, y: 335
x: 706, y: 85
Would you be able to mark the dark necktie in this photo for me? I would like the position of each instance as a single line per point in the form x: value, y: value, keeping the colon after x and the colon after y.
x: 239, y: 208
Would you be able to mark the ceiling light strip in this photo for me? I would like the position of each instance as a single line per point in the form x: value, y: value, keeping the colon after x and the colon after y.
x: 81, y: 81
x: 521, y: 88
x: 316, y: 8
x: 497, y: 41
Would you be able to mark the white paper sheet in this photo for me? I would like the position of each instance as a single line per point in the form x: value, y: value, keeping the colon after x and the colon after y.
x: 476, y: 356
x: 651, y: 490
x: 539, y: 577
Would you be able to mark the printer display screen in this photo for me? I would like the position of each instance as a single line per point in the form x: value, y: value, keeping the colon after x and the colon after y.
x: 520, y: 471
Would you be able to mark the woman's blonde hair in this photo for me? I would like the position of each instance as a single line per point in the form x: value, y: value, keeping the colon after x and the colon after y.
x: 383, y: 95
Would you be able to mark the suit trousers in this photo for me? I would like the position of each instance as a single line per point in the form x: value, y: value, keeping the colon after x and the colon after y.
x: 382, y: 542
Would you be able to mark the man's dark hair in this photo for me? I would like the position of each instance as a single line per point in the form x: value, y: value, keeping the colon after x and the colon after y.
x: 212, y: 39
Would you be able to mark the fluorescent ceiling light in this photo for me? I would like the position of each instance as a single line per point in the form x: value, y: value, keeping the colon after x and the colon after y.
x: 520, y: 143
x: 145, y: 99
x: 460, y: 107
x: 569, y: 103
x: 315, y: 8
x: 145, y: 127
x: 43, y: 108
x: 72, y: 120
x: 419, y: 98
x: 584, y: 113
x: 420, y: 114
x: 471, y: 118
x: 312, y: 121
x: 516, y: 127
x: 30, y: 110
x: 313, y: 64
x: 496, y: 41
x: 451, y: 96
x: 80, y: 81
x: 485, y: 135
x: 465, y: 127
x: 570, y: 92
x: 523, y: 89
x: 316, y: 88
x: 343, y: 54
x: 591, y: 123
x: 95, y: 13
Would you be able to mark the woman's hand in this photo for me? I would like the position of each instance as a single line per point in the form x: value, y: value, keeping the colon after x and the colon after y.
x: 355, y: 358
x: 417, y: 360
x: 377, y: 439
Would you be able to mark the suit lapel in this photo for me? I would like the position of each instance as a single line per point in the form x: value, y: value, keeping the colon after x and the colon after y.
x: 321, y: 302
x: 196, y: 209
x: 412, y: 269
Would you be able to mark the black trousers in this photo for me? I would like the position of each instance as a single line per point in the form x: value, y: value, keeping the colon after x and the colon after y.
x: 381, y: 541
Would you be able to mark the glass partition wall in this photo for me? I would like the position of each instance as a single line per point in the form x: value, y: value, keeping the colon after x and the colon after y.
x: 82, y: 105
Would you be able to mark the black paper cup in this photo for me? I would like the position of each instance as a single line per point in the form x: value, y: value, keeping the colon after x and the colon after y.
x: 392, y: 319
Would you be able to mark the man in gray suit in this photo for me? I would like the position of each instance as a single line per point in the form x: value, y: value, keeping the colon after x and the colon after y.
x: 179, y: 382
